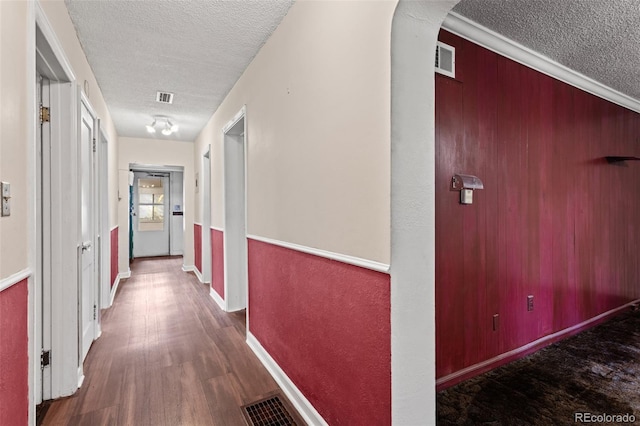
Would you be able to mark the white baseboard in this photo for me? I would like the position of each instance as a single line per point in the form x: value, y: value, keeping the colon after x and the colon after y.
x: 124, y: 275
x: 114, y: 289
x: 192, y: 268
x: 494, y: 362
x: 80, y: 377
x: 299, y: 401
x: 216, y: 297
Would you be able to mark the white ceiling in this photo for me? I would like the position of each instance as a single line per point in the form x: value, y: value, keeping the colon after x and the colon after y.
x: 198, y: 49
x: 194, y: 49
x: 597, y: 38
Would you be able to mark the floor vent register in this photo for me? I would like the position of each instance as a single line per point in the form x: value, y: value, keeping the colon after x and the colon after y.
x: 269, y: 412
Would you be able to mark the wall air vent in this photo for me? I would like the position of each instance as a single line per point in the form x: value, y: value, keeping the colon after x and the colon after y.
x: 164, y: 97
x: 446, y: 59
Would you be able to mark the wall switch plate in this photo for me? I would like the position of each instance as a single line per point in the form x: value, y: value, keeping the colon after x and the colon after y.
x: 529, y: 303
x: 466, y: 196
x: 6, y: 196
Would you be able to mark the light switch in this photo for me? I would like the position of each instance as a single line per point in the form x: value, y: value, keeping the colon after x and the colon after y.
x: 6, y: 197
x: 466, y: 196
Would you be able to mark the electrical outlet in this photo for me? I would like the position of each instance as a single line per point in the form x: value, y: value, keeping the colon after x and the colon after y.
x: 529, y: 303
x: 496, y: 322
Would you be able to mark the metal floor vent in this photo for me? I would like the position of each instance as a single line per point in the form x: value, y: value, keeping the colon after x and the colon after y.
x: 268, y: 412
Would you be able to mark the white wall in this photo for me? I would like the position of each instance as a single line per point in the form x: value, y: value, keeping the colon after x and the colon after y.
x: 158, y: 153
x: 318, y: 108
x: 15, y: 122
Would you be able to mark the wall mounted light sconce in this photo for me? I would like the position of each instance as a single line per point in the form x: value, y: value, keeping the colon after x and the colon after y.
x: 168, y: 128
x: 466, y: 184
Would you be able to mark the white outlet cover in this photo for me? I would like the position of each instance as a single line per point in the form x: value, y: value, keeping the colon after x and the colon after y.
x: 6, y: 189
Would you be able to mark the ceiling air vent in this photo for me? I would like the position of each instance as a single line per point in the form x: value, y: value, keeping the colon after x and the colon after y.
x: 446, y: 59
x: 164, y: 97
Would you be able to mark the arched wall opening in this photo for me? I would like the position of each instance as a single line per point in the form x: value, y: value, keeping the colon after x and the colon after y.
x: 414, y: 33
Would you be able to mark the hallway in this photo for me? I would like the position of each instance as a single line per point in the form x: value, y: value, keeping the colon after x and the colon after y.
x: 167, y: 356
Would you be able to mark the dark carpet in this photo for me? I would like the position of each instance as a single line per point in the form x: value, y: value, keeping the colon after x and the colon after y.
x: 596, y: 372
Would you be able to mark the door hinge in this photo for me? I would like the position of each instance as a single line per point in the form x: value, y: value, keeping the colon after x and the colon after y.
x: 45, y: 359
x: 44, y: 114
x: 94, y: 144
x: 95, y: 312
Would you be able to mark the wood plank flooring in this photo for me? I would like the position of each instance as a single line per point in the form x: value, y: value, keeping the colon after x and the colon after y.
x: 167, y: 356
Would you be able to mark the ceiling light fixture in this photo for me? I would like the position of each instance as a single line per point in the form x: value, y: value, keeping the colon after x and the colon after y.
x: 151, y: 128
x: 168, y: 128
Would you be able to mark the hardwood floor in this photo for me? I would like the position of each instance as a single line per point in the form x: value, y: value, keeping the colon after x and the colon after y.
x: 167, y: 356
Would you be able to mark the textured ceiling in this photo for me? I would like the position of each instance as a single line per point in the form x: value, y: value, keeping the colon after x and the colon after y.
x: 194, y: 49
x: 598, y: 38
x: 198, y: 49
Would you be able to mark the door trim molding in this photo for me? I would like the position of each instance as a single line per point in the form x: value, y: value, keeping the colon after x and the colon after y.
x: 230, y: 295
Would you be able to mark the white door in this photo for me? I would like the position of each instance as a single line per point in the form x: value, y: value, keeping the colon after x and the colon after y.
x: 88, y: 308
x: 150, y: 217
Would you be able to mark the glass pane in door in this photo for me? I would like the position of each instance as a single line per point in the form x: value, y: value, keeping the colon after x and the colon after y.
x: 150, y: 204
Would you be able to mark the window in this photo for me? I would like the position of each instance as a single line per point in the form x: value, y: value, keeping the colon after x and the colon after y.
x: 150, y: 204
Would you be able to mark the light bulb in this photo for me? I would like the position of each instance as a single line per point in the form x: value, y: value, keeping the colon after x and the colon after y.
x: 151, y: 127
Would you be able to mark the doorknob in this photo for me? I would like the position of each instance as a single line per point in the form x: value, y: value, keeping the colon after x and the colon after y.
x: 86, y: 246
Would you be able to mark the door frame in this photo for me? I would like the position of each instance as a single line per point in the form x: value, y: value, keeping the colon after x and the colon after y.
x: 236, y: 279
x: 135, y: 197
x: 139, y: 167
x: 104, y: 230
x: 206, y: 217
x: 45, y: 53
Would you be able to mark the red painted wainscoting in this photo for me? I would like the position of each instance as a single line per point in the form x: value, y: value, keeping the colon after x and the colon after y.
x: 217, y: 262
x: 197, y: 246
x: 14, y: 358
x: 554, y: 221
x: 114, y: 255
x: 327, y: 325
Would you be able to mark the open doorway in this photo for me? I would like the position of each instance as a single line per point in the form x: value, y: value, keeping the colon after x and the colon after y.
x: 235, y: 226
x: 156, y: 213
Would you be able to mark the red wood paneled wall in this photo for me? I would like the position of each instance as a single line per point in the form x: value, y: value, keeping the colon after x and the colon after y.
x: 14, y: 358
x: 327, y: 325
x: 114, y: 255
x: 197, y: 245
x: 554, y: 221
x: 217, y: 262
